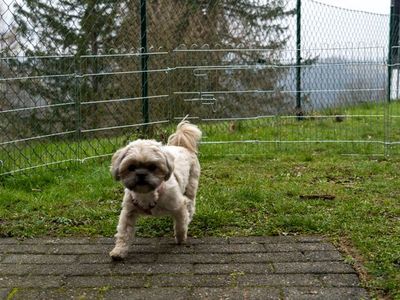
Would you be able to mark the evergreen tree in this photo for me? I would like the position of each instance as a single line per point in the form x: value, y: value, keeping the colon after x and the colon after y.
x: 78, y: 31
x: 9, y: 91
x: 225, y: 24
x: 56, y: 36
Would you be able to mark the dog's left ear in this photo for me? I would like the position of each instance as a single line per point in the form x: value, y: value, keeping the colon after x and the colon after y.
x: 169, y: 159
x: 116, y: 161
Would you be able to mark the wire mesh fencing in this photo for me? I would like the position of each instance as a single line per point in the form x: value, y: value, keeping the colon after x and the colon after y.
x: 81, y: 78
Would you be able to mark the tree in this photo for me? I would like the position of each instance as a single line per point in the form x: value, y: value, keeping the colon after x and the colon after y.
x: 62, y: 39
x: 225, y: 24
x: 8, y: 47
x: 10, y: 94
x: 81, y: 32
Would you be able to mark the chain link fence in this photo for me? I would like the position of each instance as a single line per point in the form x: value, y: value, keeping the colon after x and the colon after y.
x: 81, y: 78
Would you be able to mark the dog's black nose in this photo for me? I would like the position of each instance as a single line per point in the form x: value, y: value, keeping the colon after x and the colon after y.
x: 141, y: 175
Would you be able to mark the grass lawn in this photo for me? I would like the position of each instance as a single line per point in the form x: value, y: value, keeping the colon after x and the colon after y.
x: 237, y: 196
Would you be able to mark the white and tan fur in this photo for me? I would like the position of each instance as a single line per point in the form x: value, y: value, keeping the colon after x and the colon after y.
x: 159, y: 180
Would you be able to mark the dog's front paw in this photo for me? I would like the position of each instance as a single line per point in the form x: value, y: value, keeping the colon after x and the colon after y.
x: 118, y: 254
x: 180, y: 239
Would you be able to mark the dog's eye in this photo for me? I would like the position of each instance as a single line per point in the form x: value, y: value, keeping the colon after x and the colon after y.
x: 151, y: 167
x: 132, y: 168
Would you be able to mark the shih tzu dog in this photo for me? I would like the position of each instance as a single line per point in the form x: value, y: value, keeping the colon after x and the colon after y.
x: 158, y: 180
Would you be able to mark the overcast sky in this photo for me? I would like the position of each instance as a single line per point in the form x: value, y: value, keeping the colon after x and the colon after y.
x: 375, y: 6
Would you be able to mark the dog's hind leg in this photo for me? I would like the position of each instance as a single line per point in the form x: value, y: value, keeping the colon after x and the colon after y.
x: 181, y: 223
x: 191, y: 190
x: 191, y: 207
x: 125, y: 231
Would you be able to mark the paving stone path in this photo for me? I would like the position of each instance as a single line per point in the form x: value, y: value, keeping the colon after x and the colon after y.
x: 209, y: 268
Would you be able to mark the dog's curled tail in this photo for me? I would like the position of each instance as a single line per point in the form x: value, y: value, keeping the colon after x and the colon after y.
x: 186, y: 135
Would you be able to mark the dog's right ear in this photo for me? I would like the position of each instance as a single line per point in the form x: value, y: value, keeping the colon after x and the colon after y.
x: 116, y: 161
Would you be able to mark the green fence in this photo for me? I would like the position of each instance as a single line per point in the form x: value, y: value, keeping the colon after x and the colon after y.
x: 81, y: 78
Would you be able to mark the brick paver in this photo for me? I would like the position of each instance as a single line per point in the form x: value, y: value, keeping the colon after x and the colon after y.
x: 306, y: 267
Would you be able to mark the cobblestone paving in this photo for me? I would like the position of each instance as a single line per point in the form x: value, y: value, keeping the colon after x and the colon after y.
x: 209, y: 268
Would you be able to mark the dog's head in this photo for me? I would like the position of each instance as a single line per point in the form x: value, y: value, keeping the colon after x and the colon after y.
x: 142, y: 166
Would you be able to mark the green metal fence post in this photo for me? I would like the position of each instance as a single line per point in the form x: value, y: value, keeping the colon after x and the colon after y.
x: 78, y: 107
x: 144, y: 62
x: 299, y: 112
x: 390, y: 52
